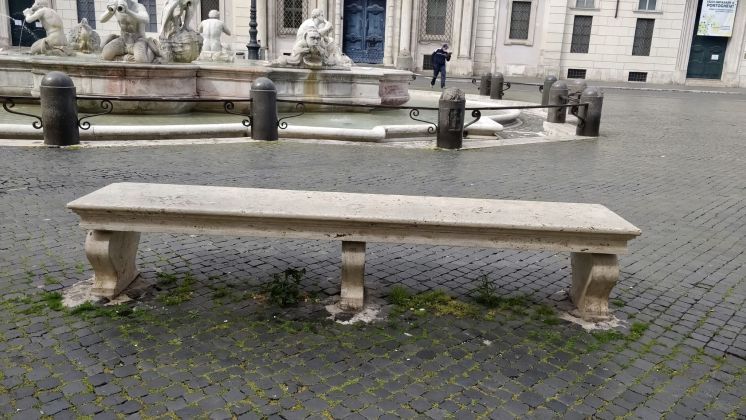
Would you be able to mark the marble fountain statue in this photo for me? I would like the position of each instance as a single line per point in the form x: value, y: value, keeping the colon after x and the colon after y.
x: 185, y: 62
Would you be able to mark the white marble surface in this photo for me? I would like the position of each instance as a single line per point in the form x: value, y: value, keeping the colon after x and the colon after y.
x: 574, y: 227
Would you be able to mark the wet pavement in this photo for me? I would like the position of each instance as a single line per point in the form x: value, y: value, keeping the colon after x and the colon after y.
x: 205, y: 340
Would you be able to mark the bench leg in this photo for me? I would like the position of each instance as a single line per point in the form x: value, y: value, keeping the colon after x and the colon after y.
x: 112, y: 255
x: 593, y: 277
x: 353, y: 275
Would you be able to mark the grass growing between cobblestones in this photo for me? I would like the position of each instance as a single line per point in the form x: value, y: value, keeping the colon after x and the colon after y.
x: 489, y: 307
x: 183, y: 291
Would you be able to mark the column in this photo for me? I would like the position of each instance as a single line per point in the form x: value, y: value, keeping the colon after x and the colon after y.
x: 261, y: 21
x: 388, y: 37
x: 467, y: 16
x: 405, y: 34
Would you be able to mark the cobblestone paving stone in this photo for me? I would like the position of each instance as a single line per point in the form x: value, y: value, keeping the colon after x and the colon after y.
x: 673, y: 168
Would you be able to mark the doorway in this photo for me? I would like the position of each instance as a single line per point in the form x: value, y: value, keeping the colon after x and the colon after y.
x: 707, y: 55
x: 364, y: 30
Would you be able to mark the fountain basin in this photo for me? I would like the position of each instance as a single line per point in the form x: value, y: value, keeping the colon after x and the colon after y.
x: 20, y: 75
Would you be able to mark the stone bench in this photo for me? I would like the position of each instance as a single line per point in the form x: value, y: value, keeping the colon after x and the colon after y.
x: 115, y: 215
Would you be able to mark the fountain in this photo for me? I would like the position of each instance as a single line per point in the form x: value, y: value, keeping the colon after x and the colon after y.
x: 132, y: 65
x: 192, y: 64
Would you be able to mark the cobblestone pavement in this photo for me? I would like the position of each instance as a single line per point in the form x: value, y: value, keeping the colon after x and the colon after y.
x: 204, y: 342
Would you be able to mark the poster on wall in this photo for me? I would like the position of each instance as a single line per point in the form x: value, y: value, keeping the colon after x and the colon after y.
x: 717, y: 17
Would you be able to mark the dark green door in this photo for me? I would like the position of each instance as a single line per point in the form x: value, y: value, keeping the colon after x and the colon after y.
x: 22, y: 33
x: 707, y: 54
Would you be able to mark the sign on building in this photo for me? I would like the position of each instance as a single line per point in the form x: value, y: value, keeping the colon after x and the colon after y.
x: 717, y: 17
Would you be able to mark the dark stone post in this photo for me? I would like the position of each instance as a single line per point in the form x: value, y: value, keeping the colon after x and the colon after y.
x: 484, y: 84
x: 548, y: 82
x: 576, y: 86
x: 59, y: 110
x: 496, y: 89
x: 451, y: 119
x: 264, y: 110
x: 592, y: 115
x: 557, y: 96
x: 252, y: 46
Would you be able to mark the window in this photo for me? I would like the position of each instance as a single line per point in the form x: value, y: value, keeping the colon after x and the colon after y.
x: 206, y: 5
x: 646, y: 5
x: 520, y: 16
x: 427, y: 62
x: 435, y: 20
x: 87, y: 10
x: 643, y: 37
x: 576, y: 73
x: 637, y: 76
x: 584, y: 4
x: 150, y: 7
x: 291, y: 14
x: 581, y: 34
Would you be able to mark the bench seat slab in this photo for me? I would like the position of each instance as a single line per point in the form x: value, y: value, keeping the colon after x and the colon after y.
x: 353, y: 273
x: 112, y: 255
x: 593, y: 277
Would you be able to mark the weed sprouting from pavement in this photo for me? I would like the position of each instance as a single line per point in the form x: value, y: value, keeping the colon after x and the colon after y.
x: 284, y: 288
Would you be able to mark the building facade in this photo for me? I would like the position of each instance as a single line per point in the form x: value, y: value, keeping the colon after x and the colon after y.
x: 658, y: 41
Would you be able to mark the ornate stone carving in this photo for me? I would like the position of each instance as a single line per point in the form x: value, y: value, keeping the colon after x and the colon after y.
x: 314, y: 46
x: 179, y: 42
x: 83, y: 38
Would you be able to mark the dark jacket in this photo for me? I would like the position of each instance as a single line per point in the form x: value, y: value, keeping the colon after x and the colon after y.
x: 440, y: 57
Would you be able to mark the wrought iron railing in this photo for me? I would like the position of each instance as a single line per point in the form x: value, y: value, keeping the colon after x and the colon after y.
x: 106, y: 104
x: 300, y: 106
x: 10, y: 101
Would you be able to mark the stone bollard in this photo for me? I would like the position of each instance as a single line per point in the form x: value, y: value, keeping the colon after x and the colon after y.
x: 496, y: 88
x: 548, y: 82
x: 592, y: 114
x: 484, y: 84
x: 59, y: 110
x: 451, y: 119
x: 557, y: 96
x: 264, y: 110
x: 576, y: 86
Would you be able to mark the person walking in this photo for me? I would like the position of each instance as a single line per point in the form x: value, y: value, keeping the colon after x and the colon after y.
x: 439, y: 58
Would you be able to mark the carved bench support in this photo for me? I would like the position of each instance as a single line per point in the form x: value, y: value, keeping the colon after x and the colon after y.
x: 593, y: 277
x: 112, y: 255
x: 353, y: 275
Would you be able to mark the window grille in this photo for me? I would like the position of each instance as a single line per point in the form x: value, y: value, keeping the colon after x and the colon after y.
x: 576, y: 73
x: 435, y: 20
x: 581, y: 34
x: 291, y: 14
x: 637, y: 76
x: 86, y: 9
x: 206, y: 5
x: 643, y: 37
x: 584, y: 4
x: 152, y: 14
x: 520, y: 16
x: 647, y: 5
x: 427, y: 62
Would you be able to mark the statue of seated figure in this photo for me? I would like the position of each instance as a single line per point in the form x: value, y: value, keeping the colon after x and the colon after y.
x: 131, y: 44
x: 55, y: 41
